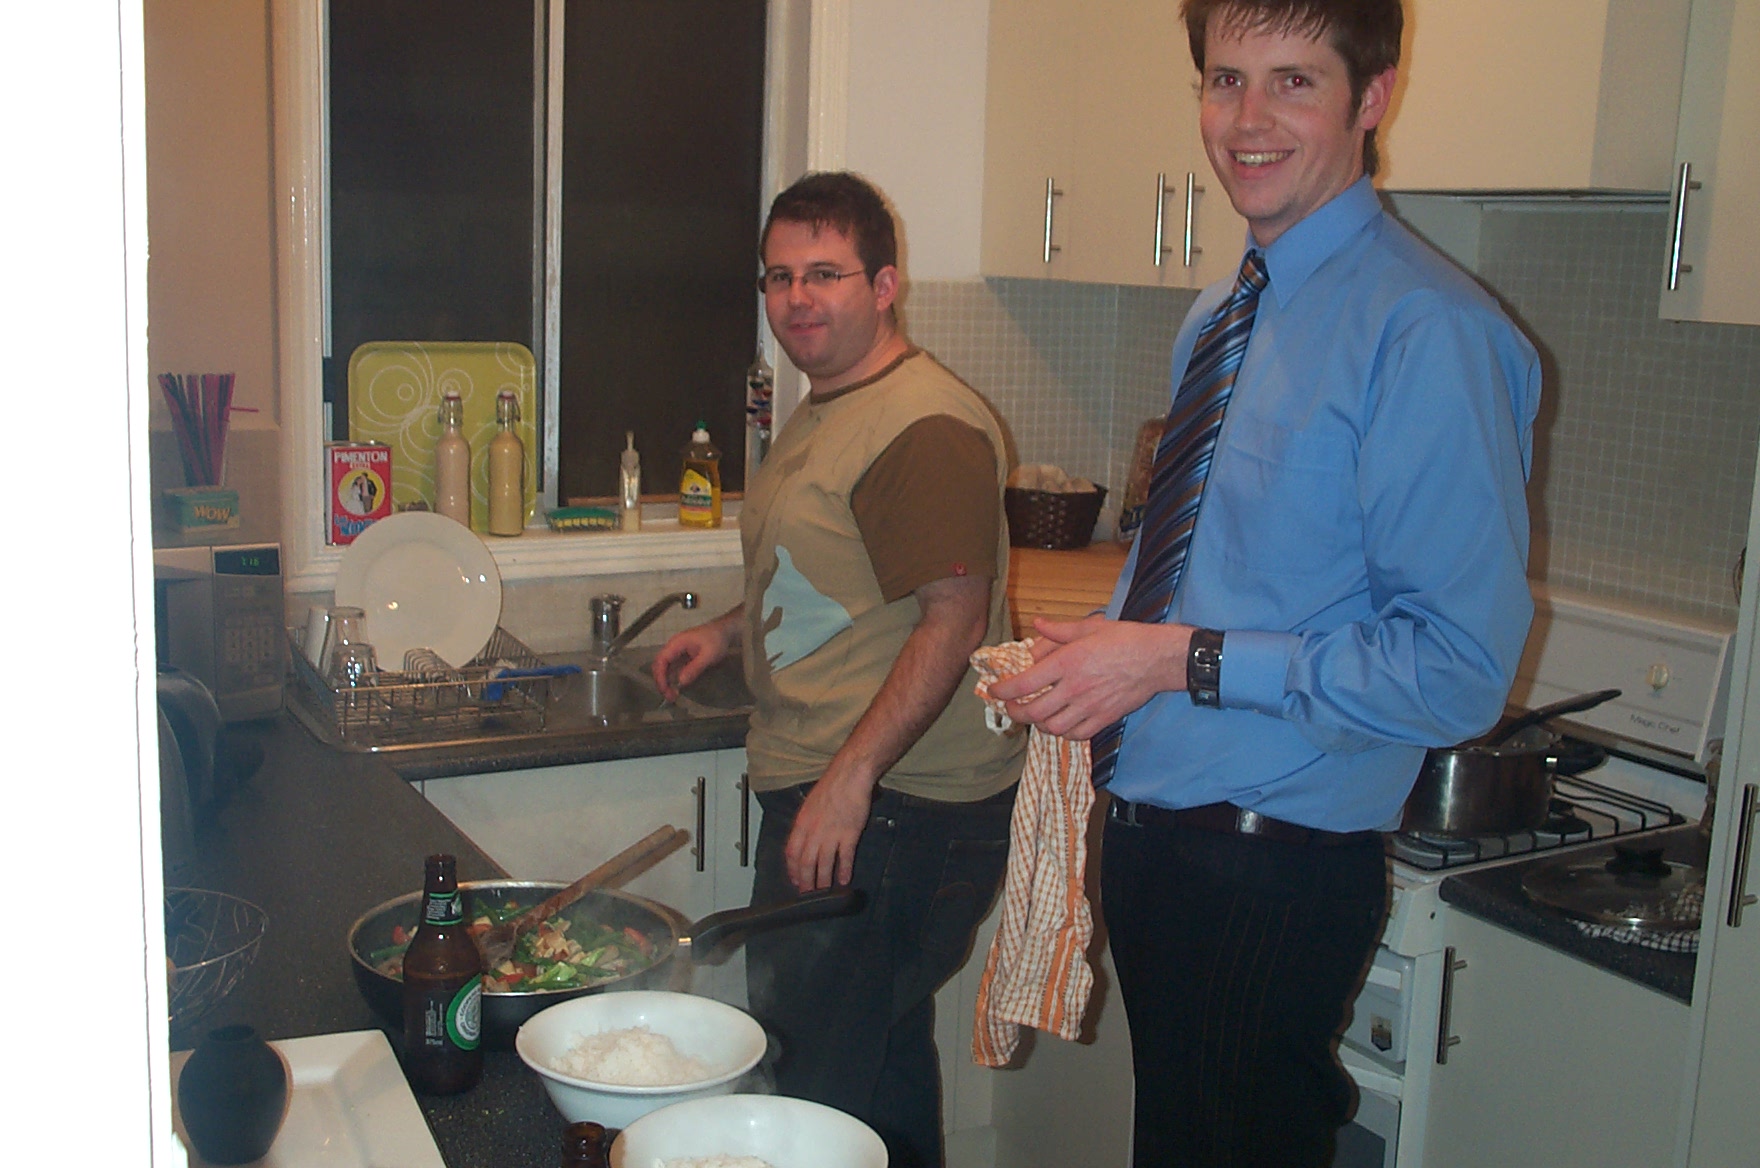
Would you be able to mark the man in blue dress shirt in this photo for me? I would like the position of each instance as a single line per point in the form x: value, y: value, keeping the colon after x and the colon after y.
x: 1353, y: 592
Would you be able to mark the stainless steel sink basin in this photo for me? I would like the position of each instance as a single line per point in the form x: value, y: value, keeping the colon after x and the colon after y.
x: 623, y: 693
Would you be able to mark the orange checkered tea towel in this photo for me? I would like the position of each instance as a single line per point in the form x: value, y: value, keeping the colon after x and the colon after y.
x: 1037, y: 973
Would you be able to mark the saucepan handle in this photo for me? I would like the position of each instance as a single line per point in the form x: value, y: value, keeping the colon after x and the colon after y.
x: 719, y: 933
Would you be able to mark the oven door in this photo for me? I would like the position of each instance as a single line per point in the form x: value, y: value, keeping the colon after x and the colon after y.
x: 1371, y: 1138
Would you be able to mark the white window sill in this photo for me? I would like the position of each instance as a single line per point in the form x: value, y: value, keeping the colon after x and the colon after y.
x: 539, y: 553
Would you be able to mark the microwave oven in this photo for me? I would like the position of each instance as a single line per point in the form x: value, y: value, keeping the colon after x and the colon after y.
x: 218, y: 614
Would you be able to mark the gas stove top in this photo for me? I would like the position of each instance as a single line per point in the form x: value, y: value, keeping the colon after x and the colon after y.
x: 1583, y: 811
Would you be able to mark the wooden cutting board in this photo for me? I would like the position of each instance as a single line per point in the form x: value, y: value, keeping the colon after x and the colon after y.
x: 1061, y: 585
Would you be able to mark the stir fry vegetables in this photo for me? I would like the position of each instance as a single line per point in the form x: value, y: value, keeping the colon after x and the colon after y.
x: 545, y: 958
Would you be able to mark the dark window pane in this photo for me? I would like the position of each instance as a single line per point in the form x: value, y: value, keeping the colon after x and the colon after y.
x: 431, y: 140
x: 663, y: 133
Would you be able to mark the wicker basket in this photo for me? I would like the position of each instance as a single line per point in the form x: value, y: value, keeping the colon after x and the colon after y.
x: 1053, y: 520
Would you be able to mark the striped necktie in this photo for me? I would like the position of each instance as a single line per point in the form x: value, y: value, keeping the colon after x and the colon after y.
x: 1182, y: 460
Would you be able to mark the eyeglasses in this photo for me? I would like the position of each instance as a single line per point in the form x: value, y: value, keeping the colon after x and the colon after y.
x: 781, y: 280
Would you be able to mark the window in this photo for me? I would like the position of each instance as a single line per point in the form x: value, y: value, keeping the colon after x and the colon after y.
x: 807, y: 70
x: 439, y: 181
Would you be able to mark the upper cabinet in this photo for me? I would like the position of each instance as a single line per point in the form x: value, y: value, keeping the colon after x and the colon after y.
x: 1093, y: 168
x: 1713, y: 244
x: 1550, y: 95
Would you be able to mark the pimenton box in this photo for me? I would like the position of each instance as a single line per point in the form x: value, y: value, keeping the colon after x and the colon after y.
x: 360, y: 487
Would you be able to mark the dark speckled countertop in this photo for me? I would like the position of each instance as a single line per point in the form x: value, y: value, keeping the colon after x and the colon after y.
x: 1495, y: 895
x: 318, y: 836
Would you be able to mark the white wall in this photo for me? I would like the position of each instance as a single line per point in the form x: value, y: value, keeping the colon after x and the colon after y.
x: 916, y: 123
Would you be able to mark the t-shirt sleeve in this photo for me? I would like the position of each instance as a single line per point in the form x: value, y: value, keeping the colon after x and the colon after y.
x: 928, y: 506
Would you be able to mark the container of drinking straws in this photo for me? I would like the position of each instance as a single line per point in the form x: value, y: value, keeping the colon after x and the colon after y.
x: 200, y: 405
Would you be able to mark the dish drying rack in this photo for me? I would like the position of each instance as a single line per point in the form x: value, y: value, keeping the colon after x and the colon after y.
x: 402, y: 708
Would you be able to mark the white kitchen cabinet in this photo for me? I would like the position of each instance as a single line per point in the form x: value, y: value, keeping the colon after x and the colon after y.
x: 1070, y: 1103
x: 1713, y: 244
x: 555, y: 823
x: 1029, y: 137
x: 1558, y: 1061
x: 1719, y: 1122
x: 1087, y: 105
x: 1535, y: 95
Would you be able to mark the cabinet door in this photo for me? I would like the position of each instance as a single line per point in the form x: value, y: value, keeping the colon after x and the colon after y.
x: 1545, y: 1059
x: 556, y: 823
x: 1714, y: 248
x: 1028, y: 136
x: 1140, y: 161
x: 732, y: 842
x: 1535, y: 94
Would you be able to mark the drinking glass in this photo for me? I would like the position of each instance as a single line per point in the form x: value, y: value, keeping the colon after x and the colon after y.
x: 348, y: 626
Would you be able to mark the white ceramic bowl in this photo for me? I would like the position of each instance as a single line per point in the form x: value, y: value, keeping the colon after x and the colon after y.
x: 784, y: 1132
x: 725, y: 1038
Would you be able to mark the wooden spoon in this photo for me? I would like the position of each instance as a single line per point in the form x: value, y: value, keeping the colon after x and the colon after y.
x: 497, y: 943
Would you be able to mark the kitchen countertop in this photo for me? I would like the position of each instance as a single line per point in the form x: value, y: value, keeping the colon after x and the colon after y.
x: 1495, y: 895
x: 318, y: 836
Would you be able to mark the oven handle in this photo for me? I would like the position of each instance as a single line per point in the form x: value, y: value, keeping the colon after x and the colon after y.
x: 1740, y: 897
x: 1444, y: 1024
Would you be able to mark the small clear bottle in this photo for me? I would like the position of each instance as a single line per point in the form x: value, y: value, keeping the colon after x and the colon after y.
x: 452, y: 462
x: 699, y: 487
x: 507, y: 470
x: 629, y: 484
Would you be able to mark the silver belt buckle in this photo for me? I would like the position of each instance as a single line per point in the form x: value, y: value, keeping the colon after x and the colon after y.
x: 1125, y: 812
x: 1248, y: 822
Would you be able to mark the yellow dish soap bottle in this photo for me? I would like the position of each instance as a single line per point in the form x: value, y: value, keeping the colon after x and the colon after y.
x: 507, y: 470
x: 699, y: 488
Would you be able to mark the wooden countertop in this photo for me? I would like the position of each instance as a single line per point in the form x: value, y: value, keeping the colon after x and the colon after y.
x: 1065, y: 585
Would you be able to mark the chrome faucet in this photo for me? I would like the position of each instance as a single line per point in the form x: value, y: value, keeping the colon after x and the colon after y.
x: 607, y: 611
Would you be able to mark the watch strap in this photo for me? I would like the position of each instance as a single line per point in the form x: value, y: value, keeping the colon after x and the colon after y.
x: 1204, y: 667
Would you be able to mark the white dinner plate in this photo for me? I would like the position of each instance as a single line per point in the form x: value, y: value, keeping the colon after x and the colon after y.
x: 348, y: 1105
x: 425, y: 582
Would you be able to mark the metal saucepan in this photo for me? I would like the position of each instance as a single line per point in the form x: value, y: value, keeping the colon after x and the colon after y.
x: 1499, y: 783
x: 666, y: 929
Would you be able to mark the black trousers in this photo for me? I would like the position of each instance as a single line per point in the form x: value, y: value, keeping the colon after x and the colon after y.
x: 1237, y: 958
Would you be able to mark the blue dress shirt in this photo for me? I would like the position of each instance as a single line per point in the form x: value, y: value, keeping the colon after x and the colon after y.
x: 1363, y: 536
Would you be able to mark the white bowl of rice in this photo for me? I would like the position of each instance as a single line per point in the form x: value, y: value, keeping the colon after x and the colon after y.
x: 614, y: 1057
x: 748, y: 1131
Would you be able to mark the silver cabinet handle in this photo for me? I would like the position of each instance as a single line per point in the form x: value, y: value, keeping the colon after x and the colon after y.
x: 1739, y: 896
x: 1193, y: 190
x: 1160, y: 216
x: 1051, y: 195
x: 697, y: 848
x: 1675, y: 267
x: 1444, y: 1039
x: 745, y: 820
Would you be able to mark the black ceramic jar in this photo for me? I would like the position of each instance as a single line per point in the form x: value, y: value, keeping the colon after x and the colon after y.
x: 233, y: 1096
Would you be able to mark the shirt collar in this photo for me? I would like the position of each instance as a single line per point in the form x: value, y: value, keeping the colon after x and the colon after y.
x: 1300, y: 251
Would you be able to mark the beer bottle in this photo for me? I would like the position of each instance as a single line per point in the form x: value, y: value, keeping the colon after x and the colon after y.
x: 584, y: 1146
x: 442, y: 990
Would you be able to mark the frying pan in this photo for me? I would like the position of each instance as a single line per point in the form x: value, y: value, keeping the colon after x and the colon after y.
x: 669, y: 931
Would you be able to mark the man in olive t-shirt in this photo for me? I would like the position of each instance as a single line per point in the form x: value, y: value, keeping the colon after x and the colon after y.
x: 875, y: 556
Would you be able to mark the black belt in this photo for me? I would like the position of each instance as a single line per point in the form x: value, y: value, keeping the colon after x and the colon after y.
x: 1232, y: 820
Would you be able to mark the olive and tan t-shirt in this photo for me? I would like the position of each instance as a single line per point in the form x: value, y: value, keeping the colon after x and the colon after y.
x: 869, y: 493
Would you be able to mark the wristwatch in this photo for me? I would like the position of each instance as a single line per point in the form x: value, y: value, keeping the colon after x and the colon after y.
x: 1204, y: 667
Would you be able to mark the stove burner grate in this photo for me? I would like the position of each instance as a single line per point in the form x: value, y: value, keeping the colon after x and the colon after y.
x: 1581, y: 810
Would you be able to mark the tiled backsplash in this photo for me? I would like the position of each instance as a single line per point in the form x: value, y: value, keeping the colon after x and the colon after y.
x: 1645, y: 446
x: 1074, y: 369
x: 1646, y: 441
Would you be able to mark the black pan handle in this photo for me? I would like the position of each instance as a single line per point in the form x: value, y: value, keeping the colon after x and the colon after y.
x: 726, y: 928
x: 1574, y: 705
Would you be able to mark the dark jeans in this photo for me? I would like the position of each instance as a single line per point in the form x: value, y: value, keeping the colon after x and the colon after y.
x: 1237, y: 958
x: 851, y: 1001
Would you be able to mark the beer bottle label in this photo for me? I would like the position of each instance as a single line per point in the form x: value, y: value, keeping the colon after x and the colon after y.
x: 442, y: 908
x: 464, y: 1015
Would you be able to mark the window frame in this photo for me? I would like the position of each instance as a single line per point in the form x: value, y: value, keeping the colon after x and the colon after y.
x: 806, y: 120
